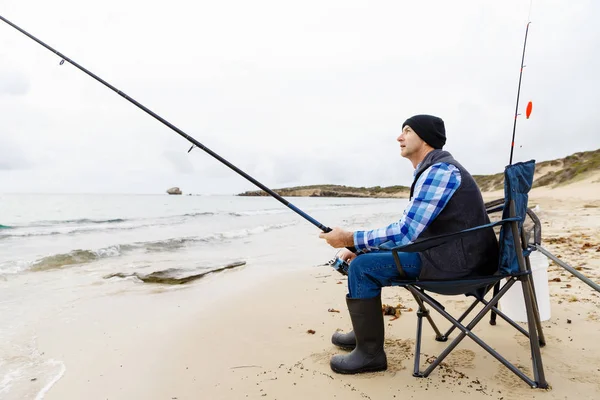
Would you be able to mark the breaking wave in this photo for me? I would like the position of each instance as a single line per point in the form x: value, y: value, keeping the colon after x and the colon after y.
x: 198, y: 214
x: 84, y: 225
x: 92, y: 221
x: 86, y: 256
x: 74, y: 257
x: 78, y: 221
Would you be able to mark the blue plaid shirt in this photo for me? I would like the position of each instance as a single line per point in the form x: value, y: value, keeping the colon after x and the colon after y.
x: 433, y: 190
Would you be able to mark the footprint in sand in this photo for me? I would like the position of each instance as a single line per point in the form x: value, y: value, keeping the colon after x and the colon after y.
x: 583, y: 376
x: 578, y: 373
x: 398, y: 351
x: 324, y: 356
x: 509, y: 380
x: 462, y: 358
x: 523, y: 340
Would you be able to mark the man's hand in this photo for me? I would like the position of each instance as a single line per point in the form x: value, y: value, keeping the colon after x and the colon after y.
x: 338, y: 238
x: 346, y: 255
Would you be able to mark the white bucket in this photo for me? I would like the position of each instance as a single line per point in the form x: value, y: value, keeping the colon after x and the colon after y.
x: 512, y: 303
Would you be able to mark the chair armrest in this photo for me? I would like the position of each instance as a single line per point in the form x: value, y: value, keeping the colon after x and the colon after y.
x: 494, y: 206
x: 429, y: 243
x: 537, y: 226
x: 498, y: 205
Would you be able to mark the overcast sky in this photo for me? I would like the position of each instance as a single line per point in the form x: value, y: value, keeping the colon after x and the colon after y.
x: 293, y: 93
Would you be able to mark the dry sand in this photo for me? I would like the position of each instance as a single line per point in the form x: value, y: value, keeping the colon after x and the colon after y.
x: 257, y: 345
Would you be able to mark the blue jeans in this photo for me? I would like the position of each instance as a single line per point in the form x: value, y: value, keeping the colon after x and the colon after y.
x: 369, y: 272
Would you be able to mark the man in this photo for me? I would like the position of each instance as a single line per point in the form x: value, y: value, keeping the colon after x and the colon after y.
x: 444, y: 198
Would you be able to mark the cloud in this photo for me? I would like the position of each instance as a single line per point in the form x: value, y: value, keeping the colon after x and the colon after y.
x: 179, y: 162
x: 12, y: 82
x: 12, y: 156
x: 291, y: 94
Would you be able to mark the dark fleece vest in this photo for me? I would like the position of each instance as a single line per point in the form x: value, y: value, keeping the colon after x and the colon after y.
x: 476, y: 254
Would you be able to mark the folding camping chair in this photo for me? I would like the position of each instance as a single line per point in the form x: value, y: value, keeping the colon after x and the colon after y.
x: 513, y: 266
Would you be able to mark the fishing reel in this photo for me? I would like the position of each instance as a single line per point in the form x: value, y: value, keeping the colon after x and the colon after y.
x: 339, y: 265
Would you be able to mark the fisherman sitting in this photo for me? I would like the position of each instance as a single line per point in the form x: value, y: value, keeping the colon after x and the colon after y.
x: 444, y: 198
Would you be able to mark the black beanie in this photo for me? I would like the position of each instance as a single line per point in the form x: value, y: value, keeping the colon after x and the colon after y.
x: 429, y: 128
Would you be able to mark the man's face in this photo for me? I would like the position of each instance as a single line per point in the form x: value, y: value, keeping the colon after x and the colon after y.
x: 410, y: 142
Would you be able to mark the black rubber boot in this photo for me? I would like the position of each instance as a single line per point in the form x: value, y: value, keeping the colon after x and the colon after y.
x: 367, y: 324
x: 346, y: 341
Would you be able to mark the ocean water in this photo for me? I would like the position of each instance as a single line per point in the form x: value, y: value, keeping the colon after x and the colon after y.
x: 53, y: 232
x: 56, y: 252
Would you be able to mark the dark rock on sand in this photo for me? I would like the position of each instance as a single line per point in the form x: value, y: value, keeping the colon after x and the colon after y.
x: 175, y: 276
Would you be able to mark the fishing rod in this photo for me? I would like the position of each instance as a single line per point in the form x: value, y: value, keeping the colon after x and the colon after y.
x: 512, y: 143
x: 176, y: 129
x: 537, y: 246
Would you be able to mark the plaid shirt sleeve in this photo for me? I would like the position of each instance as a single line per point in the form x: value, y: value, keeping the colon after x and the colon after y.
x: 433, y: 190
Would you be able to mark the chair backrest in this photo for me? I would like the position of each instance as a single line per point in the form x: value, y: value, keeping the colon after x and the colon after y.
x: 518, y: 179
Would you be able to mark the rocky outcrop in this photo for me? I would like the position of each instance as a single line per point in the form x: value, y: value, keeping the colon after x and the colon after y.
x: 174, y: 190
x: 336, y: 191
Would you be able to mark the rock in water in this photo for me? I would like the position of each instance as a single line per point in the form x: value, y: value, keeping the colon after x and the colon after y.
x: 175, y: 276
x: 174, y: 190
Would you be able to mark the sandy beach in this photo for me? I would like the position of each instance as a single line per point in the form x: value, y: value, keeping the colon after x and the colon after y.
x: 267, y: 335
x: 166, y: 170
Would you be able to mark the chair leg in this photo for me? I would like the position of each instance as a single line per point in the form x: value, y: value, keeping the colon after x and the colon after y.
x: 527, y: 286
x: 493, y: 315
x: 510, y: 281
x: 534, y: 341
x: 508, y: 320
x: 425, y: 313
x: 494, y: 310
x: 466, y: 331
x: 462, y: 317
x: 536, y: 310
x: 536, y: 315
x: 474, y: 304
x: 416, y: 367
x: 422, y: 312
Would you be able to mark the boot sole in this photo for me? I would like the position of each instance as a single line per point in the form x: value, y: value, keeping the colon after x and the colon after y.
x: 345, y: 347
x: 358, y: 371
